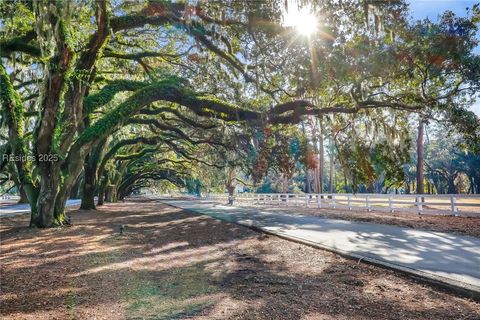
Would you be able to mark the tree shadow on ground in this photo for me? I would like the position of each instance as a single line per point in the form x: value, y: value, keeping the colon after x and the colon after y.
x: 170, y: 264
x: 436, y: 252
x: 339, y: 291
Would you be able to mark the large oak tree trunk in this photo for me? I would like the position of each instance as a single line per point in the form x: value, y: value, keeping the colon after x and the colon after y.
x: 111, y: 193
x: 89, y: 184
x: 88, y: 196
x: 53, y: 197
x: 46, y: 199
x: 101, y: 192
x: 23, y: 196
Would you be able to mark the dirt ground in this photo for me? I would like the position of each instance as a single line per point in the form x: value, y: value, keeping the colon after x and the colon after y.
x: 170, y: 264
x: 460, y: 225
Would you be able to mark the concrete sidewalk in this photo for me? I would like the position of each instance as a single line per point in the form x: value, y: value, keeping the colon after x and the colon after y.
x: 443, y: 258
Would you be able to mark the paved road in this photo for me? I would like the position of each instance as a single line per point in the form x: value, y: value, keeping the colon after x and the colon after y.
x: 444, y: 257
x: 11, y: 210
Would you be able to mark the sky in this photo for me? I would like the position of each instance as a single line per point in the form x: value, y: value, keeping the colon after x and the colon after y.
x: 421, y: 9
x: 433, y: 8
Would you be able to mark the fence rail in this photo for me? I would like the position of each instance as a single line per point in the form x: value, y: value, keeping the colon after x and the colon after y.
x: 443, y: 204
x: 9, y: 197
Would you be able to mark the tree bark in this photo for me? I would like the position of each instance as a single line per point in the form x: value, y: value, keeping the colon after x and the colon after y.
x: 75, y: 193
x: 101, y: 192
x: 46, y: 199
x: 331, y: 182
x: 307, y: 176
x: 321, y: 156
x: 23, y: 196
x: 88, y: 195
x: 420, y: 156
x: 451, y: 184
x: 230, y: 181
x: 313, y: 125
x: 90, y: 175
x: 111, y: 193
x: 12, y: 104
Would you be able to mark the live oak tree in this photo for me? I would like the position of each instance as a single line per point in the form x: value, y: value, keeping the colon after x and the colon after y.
x: 68, y: 74
x: 426, y: 68
x: 69, y: 89
x: 165, y: 141
x: 441, y: 74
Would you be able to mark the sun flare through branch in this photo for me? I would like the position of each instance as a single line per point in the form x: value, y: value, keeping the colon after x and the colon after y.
x: 302, y: 19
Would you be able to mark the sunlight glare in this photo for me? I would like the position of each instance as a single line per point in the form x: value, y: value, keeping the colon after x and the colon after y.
x: 302, y: 19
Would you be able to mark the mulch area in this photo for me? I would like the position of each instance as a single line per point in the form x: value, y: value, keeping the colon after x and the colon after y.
x: 459, y: 225
x: 170, y: 264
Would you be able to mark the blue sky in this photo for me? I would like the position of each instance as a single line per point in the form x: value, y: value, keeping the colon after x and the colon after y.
x: 433, y: 8
x: 421, y: 9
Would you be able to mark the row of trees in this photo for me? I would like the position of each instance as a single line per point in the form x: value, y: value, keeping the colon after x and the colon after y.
x: 187, y: 95
x: 449, y: 165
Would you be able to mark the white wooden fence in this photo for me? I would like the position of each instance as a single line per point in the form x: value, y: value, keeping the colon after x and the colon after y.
x: 443, y: 204
x: 9, y: 197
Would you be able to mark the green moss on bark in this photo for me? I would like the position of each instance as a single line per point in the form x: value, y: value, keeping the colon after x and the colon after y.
x: 172, y: 89
x: 106, y: 94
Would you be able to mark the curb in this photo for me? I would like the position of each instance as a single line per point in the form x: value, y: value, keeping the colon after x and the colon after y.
x: 455, y: 287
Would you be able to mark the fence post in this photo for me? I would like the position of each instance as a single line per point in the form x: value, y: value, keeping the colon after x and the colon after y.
x: 333, y: 201
x: 419, y: 204
x: 349, y: 202
x: 319, y: 201
x: 367, y: 201
x: 453, y: 202
x: 306, y: 199
x: 286, y: 200
x: 390, y: 204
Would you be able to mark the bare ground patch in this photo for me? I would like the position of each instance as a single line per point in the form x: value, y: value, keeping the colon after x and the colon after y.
x: 171, y: 265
